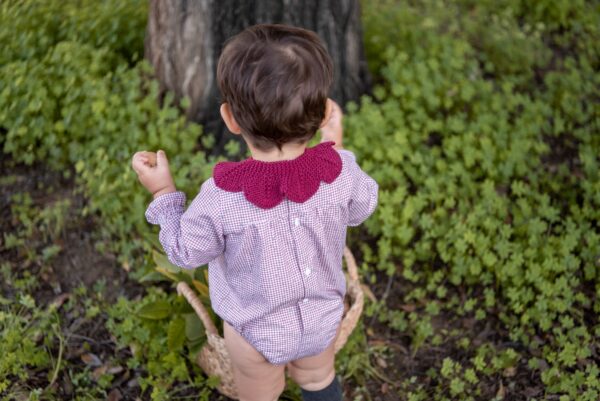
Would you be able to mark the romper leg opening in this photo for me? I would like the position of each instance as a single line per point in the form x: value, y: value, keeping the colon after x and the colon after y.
x: 255, y: 378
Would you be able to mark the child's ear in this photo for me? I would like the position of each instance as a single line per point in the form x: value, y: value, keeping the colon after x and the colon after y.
x: 328, y: 110
x: 229, y: 120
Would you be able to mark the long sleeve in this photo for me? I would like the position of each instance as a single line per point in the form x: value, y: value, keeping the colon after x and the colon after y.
x: 192, y: 237
x: 364, y: 194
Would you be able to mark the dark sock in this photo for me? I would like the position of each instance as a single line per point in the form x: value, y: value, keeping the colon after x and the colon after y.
x: 333, y: 392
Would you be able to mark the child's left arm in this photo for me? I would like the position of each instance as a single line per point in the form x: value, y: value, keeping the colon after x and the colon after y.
x: 189, y: 237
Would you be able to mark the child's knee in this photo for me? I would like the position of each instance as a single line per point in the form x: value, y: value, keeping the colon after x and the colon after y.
x: 311, y: 379
x: 261, y: 383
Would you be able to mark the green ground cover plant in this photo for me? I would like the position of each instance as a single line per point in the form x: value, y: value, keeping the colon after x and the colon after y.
x: 75, y: 93
x: 482, y: 131
x: 483, y: 134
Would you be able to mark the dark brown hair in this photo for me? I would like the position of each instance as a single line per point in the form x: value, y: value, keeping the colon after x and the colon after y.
x: 276, y: 80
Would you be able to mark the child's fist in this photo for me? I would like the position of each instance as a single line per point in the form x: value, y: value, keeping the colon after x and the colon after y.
x: 332, y: 129
x: 153, y: 172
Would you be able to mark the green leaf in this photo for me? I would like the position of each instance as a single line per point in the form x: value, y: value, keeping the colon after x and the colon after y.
x: 176, y: 333
x: 162, y: 261
x: 167, y: 273
x: 152, y: 276
x: 201, y: 287
x: 155, y: 310
x: 194, y: 329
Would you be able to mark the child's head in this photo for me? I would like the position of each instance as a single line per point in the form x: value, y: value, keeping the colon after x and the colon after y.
x: 275, y: 80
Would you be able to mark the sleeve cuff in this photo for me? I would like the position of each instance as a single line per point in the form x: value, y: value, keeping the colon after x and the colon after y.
x: 166, y: 207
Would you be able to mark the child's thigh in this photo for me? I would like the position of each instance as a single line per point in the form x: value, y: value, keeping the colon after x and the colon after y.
x: 255, y: 378
x: 316, y: 372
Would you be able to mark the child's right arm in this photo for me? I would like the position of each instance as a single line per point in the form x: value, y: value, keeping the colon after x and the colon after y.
x: 153, y: 172
x: 191, y: 237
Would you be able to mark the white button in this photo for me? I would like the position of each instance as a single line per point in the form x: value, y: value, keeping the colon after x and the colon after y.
x: 296, y: 222
x: 307, y: 272
x: 305, y: 300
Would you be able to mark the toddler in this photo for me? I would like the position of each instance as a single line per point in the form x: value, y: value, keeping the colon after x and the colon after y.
x: 272, y: 228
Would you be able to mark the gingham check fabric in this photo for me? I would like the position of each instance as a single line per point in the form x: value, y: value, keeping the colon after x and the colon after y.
x: 275, y: 275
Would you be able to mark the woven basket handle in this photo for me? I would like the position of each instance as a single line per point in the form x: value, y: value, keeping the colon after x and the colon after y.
x: 190, y: 295
x: 209, y: 326
x: 351, y: 264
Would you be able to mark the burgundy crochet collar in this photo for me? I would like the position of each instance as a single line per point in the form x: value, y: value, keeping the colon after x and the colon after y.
x: 266, y: 184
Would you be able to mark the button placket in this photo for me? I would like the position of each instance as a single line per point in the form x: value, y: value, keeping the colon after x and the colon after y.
x: 296, y: 222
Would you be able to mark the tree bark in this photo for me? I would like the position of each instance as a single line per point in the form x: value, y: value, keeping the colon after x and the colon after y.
x: 184, y: 39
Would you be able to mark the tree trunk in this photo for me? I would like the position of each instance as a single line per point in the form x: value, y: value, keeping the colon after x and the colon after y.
x: 184, y: 40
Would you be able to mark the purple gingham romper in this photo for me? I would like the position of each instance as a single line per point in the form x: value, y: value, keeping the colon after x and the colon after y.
x: 275, y: 275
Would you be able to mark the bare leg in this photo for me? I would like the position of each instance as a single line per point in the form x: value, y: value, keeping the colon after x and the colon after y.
x: 314, y: 372
x: 255, y: 378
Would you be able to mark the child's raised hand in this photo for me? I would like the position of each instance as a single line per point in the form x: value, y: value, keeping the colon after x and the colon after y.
x: 332, y: 130
x: 153, y: 172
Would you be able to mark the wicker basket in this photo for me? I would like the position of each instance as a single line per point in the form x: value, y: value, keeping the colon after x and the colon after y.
x: 213, y: 357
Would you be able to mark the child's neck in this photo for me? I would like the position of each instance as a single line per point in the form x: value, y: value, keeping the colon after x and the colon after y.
x: 289, y: 151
